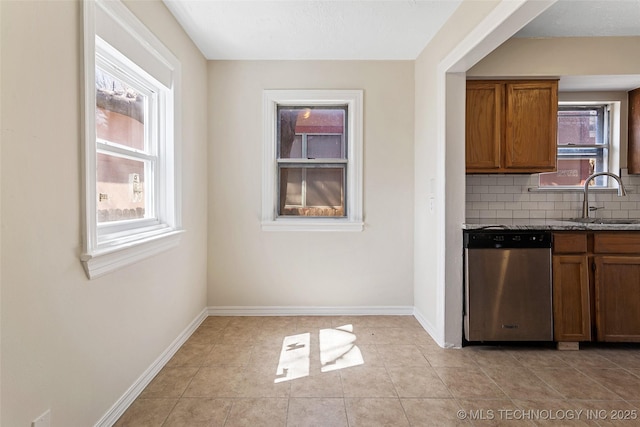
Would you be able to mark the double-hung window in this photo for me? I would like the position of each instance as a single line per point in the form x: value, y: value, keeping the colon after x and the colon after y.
x: 131, y: 172
x: 584, y: 145
x: 312, y: 160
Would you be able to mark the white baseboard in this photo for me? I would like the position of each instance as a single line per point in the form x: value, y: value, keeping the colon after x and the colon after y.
x: 310, y: 311
x: 431, y: 330
x: 134, y: 391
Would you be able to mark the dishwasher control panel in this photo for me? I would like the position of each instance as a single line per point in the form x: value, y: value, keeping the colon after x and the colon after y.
x: 507, y: 239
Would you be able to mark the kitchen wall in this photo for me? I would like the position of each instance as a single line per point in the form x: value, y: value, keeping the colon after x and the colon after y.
x: 510, y: 197
x: 70, y: 344
x: 255, y: 270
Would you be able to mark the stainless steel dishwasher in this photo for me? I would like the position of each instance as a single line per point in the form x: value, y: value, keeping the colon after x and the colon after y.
x: 507, y: 288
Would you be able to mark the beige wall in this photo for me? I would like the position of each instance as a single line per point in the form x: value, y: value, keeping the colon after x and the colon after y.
x: 249, y: 267
x: 561, y: 56
x: 435, y: 171
x: 70, y: 344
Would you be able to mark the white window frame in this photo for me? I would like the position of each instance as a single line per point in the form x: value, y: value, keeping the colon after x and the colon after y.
x: 109, y: 246
x: 353, y: 99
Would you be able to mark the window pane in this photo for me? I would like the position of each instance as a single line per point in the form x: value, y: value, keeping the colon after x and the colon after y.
x: 120, y: 188
x: 120, y: 111
x: 324, y: 147
x: 298, y: 122
x: 571, y: 172
x: 309, y: 191
x: 580, y: 126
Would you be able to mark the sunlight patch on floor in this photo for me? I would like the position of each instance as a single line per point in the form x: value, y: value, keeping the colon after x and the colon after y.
x: 337, y: 351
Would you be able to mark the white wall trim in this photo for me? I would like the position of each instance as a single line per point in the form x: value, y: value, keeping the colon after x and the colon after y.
x: 121, y: 405
x: 400, y: 310
x: 429, y: 327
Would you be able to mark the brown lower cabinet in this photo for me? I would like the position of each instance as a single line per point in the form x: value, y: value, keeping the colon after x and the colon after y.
x: 596, y: 286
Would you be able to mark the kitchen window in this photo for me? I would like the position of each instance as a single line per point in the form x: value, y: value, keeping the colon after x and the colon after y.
x: 584, y: 146
x: 312, y: 161
x: 131, y: 208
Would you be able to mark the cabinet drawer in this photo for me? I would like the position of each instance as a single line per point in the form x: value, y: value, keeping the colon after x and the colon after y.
x: 569, y: 243
x: 616, y: 243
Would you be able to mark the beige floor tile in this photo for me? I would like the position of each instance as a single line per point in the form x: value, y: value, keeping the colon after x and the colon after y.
x: 313, y: 412
x: 370, y: 355
x: 323, y: 384
x: 260, y: 382
x: 241, y: 355
x: 469, y: 383
x: 265, y: 356
x: 312, y: 323
x: 204, y: 335
x: 216, y: 322
x: 396, y: 336
x: 363, y: 381
x: 490, y: 412
x: 146, y: 413
x: 608, y: 413
x: 521, y: 383
x: 573, y: 384
x: 434, y: 412
x: 228, y: 354
x: 618, y: 380
x: 418, y: 381
x: 585, y: 359
x: 449, y: 357
x: 257, y: 413
x: 216, y: 381
x: 401, y: 355
x: 623, y: 357
x: 550, y: 413
x: 375, y: 412
x: 539, y: 358
x: 199, y: 412
x: 492, y: 357
x: 190, y: 354
x: 170, y: 382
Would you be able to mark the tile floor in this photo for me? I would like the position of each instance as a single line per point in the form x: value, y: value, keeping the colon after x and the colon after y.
x: 380, y: 371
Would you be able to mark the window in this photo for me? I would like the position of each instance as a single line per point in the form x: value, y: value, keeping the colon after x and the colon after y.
x: 584, y: 145
x: 132, y: 208
x: 312, y: 160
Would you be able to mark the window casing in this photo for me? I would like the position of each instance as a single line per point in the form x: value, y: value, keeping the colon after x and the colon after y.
x: 312, y: 161
x: 584, y: 146
x: 131, y: 207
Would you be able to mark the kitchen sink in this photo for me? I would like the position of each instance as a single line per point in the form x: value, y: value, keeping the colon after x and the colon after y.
x: 613, y: 221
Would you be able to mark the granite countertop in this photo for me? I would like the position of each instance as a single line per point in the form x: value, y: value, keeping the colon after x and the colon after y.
x: 545, y: 224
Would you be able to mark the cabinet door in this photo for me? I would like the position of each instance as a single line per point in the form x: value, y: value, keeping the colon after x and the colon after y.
x: 617, y: 289
x: 531, y: 126
x: 483, y: 132
x: 571, y: 306
x: 633, y: 156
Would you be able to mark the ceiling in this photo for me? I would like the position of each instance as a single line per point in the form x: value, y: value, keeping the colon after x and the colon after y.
x: 378, y: 30
x: 311, y: 29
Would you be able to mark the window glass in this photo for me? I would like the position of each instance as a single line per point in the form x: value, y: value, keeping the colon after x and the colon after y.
x: 312, y: 161
x: 120, y: 111
x: 583, y: 146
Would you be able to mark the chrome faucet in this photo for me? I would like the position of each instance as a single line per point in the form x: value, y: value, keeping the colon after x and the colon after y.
x: 585, y: 203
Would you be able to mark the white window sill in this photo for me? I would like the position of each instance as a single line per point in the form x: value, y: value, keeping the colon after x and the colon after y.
x: 319, y: 224
x: 105, y: 260
x: 573, y: 190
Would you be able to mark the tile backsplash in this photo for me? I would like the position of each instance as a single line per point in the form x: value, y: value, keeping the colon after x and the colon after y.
x: 508, y: 196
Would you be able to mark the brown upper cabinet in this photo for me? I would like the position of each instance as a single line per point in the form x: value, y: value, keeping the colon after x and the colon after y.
x: 633, y: 157
x: 511, y: 126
